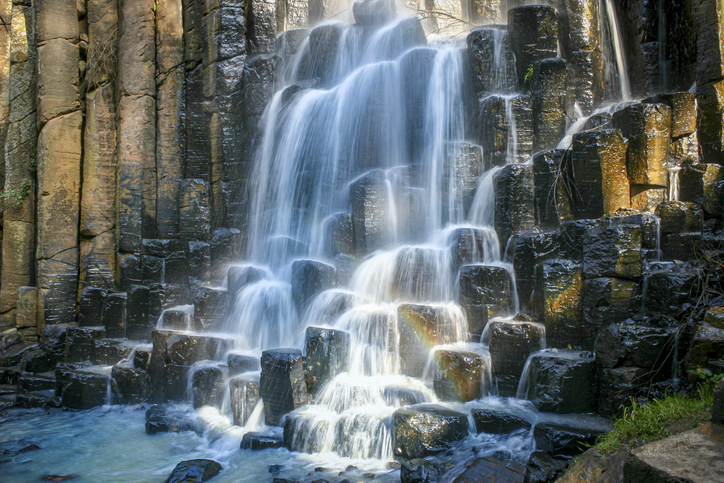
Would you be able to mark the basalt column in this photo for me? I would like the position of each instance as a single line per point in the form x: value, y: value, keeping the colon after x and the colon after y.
x: 136, y: 134
x: 60, y: 121
x: 98, y: 193
x: 6, y: 10
x: 19, y: 161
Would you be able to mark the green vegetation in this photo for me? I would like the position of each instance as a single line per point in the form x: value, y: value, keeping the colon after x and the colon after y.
x: 659, y: 418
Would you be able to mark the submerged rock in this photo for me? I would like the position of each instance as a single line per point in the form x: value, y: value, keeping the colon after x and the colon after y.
x: 493, y: 469
x: 194, y: 471
x: 426, y: 429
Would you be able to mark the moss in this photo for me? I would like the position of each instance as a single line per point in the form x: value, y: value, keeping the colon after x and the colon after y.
x: 657, y: 419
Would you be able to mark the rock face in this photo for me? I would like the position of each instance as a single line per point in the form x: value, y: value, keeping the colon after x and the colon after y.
x: 426, y: 430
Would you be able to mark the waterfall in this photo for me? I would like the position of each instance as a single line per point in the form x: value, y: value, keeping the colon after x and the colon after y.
x: 618, y: 53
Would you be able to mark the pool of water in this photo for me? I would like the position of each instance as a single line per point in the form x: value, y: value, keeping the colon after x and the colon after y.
x: 109, y: 444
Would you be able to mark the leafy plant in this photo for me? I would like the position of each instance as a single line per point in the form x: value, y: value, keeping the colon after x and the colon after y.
x: 19, y: 195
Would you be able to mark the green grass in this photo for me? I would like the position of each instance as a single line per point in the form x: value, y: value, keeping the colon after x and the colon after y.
x: 643, y: 423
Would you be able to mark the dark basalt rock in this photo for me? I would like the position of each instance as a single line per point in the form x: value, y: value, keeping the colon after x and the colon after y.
x: 638, y: 346
x: 421, y: 327
x: 370, y: 213
x: 188, y: 349
x: 483, y: 44
x: 494, y: 130
x: 567, y: 438
x: 160, y: 419
x: 109, y: 351
x: 282, y: 385
x: 327, y: 354
x: 493, y: 469
x: 587, y: 78
x: 129, y: 385
x: 419, y: 470
x: 91, y: 306
x: 373, y: 12
x: 543, y: 467
x: 260, y: 441
x: 211, y: 306
x: 550, y: 79
x: 707, y: 348
x: 339, y: 234
x: 207, y: 386
x: 37, y: 361
x: 468, y: 246
x: 492, y: 421
x: 426, y: 429
x: 244, y: 396
x: 80, y: 389
x: 552, y: 179
x: 462, y: 168
x: 309, y: 278
x: 240, y: 363
x: 617, y: 386
x: 533, y: 35
x: 613, y: 251
x: 510, y: 344
x: 514, y: 201
x: 80, y: 343
x: 194, y: 471
x: 559, y: 289
x: 177, y: 320
x: 114, y: 314
x: 460, y: 375
x: 486, y: 285
x: 606, y: 301
x: 323, y: 47
x: 167, y: 295
x: 717, y: 410
x: 239, y: 277
x: 530, y: 250
x: 142, y: 358
x: 668, y: 291
x: 562, y: 381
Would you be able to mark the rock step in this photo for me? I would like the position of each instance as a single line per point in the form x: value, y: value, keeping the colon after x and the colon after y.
x: 36, y: 382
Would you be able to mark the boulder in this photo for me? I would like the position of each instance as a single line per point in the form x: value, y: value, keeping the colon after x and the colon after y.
x: 510, y: 343
x: 282, y: 385
x: 426, y: 429
x: 327, y: 354
x: 494, y: 421
x: 562, y: 381
x: 514, y: 201
x: 460, y: 375
x: 260, y: 441
x: 194, y: 471
x: 164, y: 419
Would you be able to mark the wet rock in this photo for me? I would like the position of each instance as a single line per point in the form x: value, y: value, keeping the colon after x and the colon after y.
x: 543, y: 467
x: 210, y: 307
x: 177, y: 320
x: 14, y: 354
x: 167, y: 295
x: 260, y: 441
x: 667, y: 291
x: 239, y: 277
x: 715, y: 317
x: 462, y: 168
x: 244, y: 396
x: 114, y: 314
x: 483, y: 45
x: 327, y: 354
x: 471, y: 245
x: 550, y: 79
x: 500, y: 118
x: 194, y: 471
x: 225, y: 248
x: 459, y: 376
x: 493, y: 469
x: 533, y: 35
x: 562, y: 381
x: 129, y: 384
x: 91, y: 306
x: 510, y: 344
x: 323, y: 48
x: 600, y: 180
x: 108, y: 351
x: 677, y: 217
x: 514, y: 201
x: 568, y: 438
x: 142, y: 358
x: 339, y: 234
x: 36, y: 382
x: 713, y: 190
x: 707, y: 348
x: 711, y: 124
x: 645, y: 198
x: 594, y: 466
x: 617, y: 386
x: 282, y: 385
x: 373, y: 12
x: 421, y: 328
x: 426, y: 429
x: 188, y: 349
x: 486, y: 285
x: 530, y: 250
x: 207, y: 385
x: 559, y: 287
x: 370, y: 212
x: 138, y: 323
x: 605, y: 301
x: 401, y: 396
x: 37, y: 361
x: 552, y: 204
x: 418, y: 272
x: 240, y: 363
x: 199, y: 262
x: 161, y: 419
x: 683, y: 111
x: 493, y: 421
x: 309, y: 278
x: 81, y: 343
x: 613, y: 251
x: 79, y: 388
x: 419, y: 470
x: 587, y: 79
x: 630, y: 345
x: 648, y: 130
x: 55, y: 341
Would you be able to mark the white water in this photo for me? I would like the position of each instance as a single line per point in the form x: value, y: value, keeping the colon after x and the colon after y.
x: 624, y: 83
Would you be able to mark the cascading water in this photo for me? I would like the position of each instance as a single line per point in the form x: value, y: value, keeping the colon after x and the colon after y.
x: 318, y: 144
